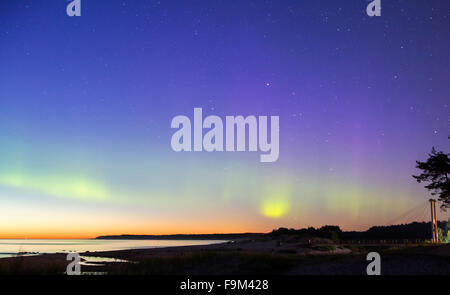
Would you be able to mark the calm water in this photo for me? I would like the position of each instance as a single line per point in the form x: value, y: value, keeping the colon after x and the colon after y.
x: 10, y: 248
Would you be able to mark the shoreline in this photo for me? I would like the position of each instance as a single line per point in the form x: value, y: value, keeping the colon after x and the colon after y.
x: 242, y: 257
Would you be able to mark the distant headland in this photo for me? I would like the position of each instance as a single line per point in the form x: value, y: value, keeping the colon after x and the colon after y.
x: 413, y: 231
x: 181, y: 237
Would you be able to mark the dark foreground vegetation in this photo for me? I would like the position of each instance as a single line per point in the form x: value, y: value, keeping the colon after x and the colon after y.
x: 326, y: 250
x: 415, y: 231
x: 414, y: 260
x: 268, y: 255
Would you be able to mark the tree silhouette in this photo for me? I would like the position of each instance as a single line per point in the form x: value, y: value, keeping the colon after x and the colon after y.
x: 436, y: 171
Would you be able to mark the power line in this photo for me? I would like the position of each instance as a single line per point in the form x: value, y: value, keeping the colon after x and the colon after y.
x: 408, y: 213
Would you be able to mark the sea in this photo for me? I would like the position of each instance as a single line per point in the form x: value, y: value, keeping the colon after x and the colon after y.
x: 11, y: 248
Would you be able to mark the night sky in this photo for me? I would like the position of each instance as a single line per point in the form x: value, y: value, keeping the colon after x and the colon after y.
x: 86, y: 105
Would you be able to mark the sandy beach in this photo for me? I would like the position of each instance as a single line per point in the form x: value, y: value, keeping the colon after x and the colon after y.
x: 245, y: 256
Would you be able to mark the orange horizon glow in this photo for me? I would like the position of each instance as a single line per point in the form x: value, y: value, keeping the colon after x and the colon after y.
x: 50, y: 235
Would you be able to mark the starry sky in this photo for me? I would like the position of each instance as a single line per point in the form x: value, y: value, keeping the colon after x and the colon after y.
x: 86, y: 105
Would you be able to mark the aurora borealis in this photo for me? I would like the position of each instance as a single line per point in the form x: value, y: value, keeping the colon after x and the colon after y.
x: 86, y: 105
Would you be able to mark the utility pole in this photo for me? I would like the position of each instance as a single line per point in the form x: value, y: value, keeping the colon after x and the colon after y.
x: 434, y: 227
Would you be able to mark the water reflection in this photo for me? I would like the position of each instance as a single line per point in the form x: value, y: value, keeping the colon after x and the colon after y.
x: 11, y: 248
